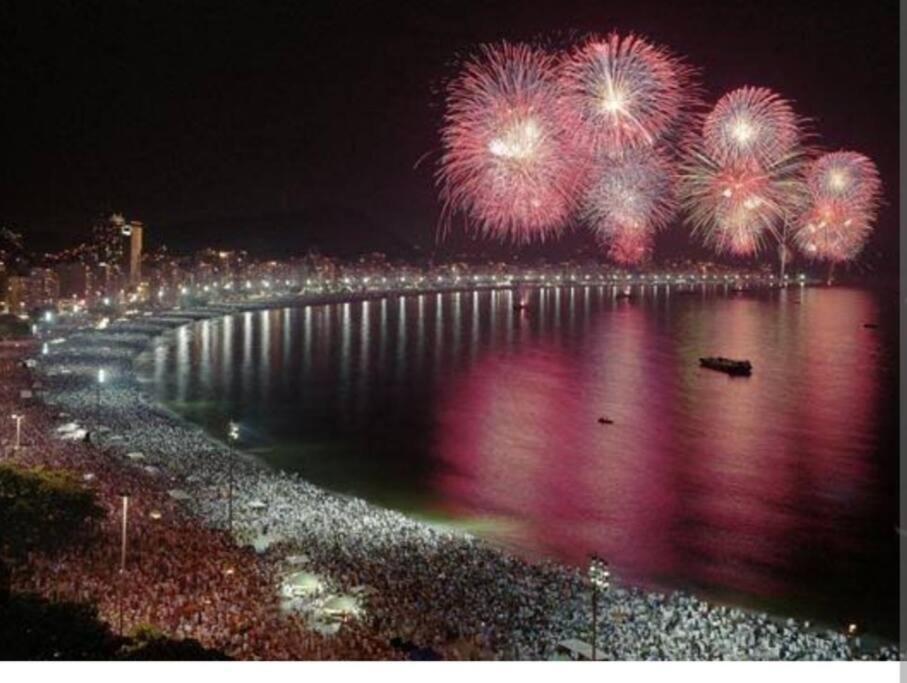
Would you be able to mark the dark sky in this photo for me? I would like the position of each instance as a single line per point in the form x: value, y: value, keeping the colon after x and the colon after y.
x: 272, y: 124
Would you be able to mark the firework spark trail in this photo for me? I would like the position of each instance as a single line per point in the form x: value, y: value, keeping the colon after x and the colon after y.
x: 844, y: 192
x: 507, y: 163
x: 630, y: 197
x: 623, y: 92
x: 751, y: 124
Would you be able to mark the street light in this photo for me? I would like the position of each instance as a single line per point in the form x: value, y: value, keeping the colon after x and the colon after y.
x: 123, y: 538
x: 600, y: 577
x: 102, y: 377
x: 125, y: 499
x: 18, y: 418
x: 233, y: 435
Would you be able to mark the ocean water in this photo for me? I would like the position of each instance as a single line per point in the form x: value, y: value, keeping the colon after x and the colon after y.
x: 776, y: 491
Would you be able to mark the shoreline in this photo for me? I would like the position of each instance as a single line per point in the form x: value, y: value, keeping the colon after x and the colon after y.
x: 552, y: 600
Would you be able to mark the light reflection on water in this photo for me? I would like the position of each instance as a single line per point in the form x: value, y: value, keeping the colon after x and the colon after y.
x: 780, y: 488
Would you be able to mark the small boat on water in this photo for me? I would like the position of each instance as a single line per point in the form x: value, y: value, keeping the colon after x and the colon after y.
x: 732, y: 367
x: 871, y: 326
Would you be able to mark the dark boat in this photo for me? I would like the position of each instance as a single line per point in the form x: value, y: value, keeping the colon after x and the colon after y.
x: 870, y: 326
x: 605, y: 421
x: 732, y: 367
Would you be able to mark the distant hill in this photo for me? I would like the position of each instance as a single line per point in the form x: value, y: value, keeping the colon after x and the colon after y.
x: 332, y: 229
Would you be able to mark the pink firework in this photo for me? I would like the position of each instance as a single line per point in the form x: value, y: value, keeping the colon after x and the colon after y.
x: 845, y: 176
x: 623, y: 92
x: 751, y: 124
x: 506, y: 162
x: 629, y: 196
x: 733, y: 207
x: 630, y: 248
x: 833, y: 230
x: 844, y: 190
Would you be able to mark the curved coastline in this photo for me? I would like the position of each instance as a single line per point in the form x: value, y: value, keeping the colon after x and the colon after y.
x: 551, y: 600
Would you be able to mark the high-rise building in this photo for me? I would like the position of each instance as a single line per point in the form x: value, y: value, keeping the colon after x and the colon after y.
x: 45, y: 287
x: 75, y: 280
x: 134, y: 231
x: 17, y: 294
x: 107, y: 241
x: 39, y: 288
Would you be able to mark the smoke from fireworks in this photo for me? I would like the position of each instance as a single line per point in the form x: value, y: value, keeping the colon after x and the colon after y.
x: 629, y: 197
x: 506, y: 161
x: 623, y: 92
x: 751, y: 124
x: 844, y: 192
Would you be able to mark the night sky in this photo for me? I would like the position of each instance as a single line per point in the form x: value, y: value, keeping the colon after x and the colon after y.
x: 283, y: 125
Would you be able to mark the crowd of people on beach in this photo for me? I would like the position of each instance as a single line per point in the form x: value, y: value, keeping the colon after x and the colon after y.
x: 421, y: 585
x: 184, y: 579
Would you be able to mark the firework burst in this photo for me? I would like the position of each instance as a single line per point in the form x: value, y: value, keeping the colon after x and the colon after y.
x: 845, y: 176
x: 733, y: 207
x: 623, y: 92
x: 630, y: 248
x: 844, y: 190
x: 751, y: 124
x: 833, y: 230
x: 628, y: 198
x: 506, y: 162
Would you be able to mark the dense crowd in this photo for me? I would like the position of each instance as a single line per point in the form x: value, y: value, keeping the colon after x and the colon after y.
x: 428, y: 586
x: 187, y: 580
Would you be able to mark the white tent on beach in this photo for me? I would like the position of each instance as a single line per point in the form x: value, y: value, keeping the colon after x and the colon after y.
x: 302, y: 584
x: 341, y: 605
